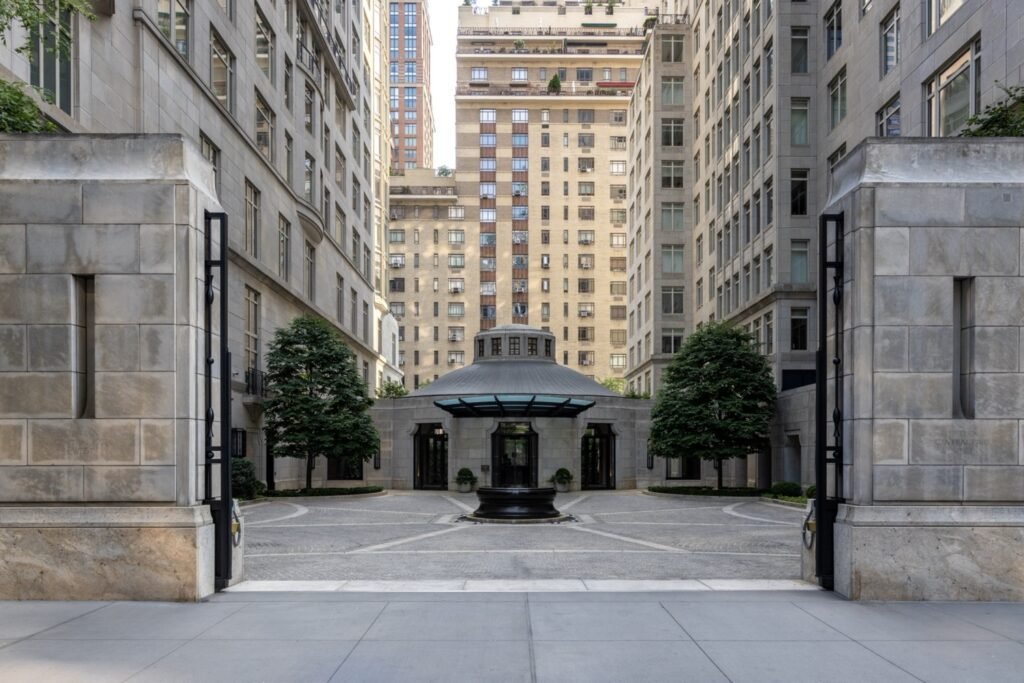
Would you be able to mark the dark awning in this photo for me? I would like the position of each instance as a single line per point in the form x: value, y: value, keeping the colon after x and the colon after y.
x: 514, y: 405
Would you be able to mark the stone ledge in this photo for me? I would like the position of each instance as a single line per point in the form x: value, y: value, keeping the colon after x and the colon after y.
x: 932, y: 515
x: 106, y: 517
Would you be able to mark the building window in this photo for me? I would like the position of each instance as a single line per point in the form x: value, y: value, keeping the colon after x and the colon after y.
x: 954, y: 94
x: 478, y: 73
x: 672, y: 258
x: 799, y: 119
x: 833, y: 28
x: 671, y: 133
x: 252, y: 220
x: 308, y: 171
x: 837, y: 99
x: 309, y: 272
x: 222, y: 71
x: 309, y: 102
x: 671, y: 340
x: 941, y: 10
x: 798, y: 329
x: 252, y: 328
x: 890, y: 41
x: 798, y: 55
x: 284, y: 247
x: 671, y: 89
x: 520, y: 115
x: 265, y: 122
x: 672, y: 49
x: 211, y: 153
x: 798, y: 179
x: 173, y: 19
x: 672, y: 216
x: 488, y: 115
x: 265, y: 46
x: 798, y: 259
x: 888, y: 119
x: 672, y: 300
x: 672, y: 174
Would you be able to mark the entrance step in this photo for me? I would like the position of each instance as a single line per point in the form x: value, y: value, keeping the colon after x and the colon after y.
x: 524, y: 585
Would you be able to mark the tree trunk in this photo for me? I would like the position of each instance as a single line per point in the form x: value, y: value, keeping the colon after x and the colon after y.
x: 718, y: 466
x: 309, y: 470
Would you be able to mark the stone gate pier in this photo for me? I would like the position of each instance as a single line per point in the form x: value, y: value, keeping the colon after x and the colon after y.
x: 101, y: 368
x: 933, y: 370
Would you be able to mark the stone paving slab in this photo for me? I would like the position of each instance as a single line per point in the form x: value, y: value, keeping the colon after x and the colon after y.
x: 699, y: 635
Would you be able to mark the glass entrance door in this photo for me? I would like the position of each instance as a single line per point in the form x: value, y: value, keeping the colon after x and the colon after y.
x: 514, y: 455
x: 598, y: 457
x: 430, y: 456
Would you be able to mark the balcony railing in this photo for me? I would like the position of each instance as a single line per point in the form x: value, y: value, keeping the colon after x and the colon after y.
x: 552, y: 51
x: 307, y: 58
x: 549, y: 31
x: 255, y: 382
x: 423, y: 190
x: 322, y: 18
x: 566, y: 91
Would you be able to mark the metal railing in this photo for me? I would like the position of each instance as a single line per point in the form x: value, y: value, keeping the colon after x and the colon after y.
x: 549, y: 31
x: 566, y: 91
x: 423, y: 190
x: 255, y: 382
x: 552, y: 51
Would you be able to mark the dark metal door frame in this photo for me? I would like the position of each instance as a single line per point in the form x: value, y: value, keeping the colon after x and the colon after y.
x: 599, y: 445
x: 498, y: 439
x: 219, y: 455
x: 828, y: 448
x: 427, y: 446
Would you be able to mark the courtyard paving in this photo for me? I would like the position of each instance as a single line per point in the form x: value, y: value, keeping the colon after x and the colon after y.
x: 619, y: 535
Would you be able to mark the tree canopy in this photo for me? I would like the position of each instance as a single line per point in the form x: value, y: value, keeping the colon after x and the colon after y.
x: 32, y: 14
x: 1002, y: 119
x: 391, y: 389
x: 716, y: 400
x: 316, y: 403
x: 19, y: 113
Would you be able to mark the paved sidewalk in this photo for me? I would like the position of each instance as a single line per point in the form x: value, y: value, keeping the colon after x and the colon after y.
x: 706, y: 635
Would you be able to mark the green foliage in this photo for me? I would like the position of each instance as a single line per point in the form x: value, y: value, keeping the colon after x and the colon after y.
x: 716, y: 400
x: 465, y: 476
x: 787, y: 488
x: 742, y: 492
x: 34, y: 14
x: 555, y: 84
x: 812, y: 491
x: 561, y: 476
x: 244, y: 482
x: 353, y: 491
x: 1002, y: 119
x: 798, y: 500
x: 19, y: 113
x: 316, y: 403
x: 444, y: 172
x: 616, y: 384
x: 633, y: 393
x: 391, y: 389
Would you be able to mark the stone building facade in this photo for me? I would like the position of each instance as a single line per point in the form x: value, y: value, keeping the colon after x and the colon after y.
x: 410, y: 99
x: 279, y: 98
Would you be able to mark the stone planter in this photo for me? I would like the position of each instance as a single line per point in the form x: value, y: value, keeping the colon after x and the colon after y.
x: 465, y: 487
x: 562, y: 487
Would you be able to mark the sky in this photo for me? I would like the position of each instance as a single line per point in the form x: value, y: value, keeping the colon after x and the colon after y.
x: 444, y: 20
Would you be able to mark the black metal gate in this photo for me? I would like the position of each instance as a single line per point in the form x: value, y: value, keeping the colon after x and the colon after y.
x: 430, y: 457
x: 218, y: 447
x: 597, y: 458
x: 828, y: 446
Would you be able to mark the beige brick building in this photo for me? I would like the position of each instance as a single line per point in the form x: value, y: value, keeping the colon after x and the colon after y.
x: 412, y: 113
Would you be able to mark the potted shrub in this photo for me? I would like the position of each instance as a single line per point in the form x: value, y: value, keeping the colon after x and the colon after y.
x: 465, y: 479
x: 555, y: 85
x: 561, y: 479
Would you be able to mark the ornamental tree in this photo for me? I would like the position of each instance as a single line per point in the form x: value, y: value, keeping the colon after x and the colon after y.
x: 316, y: 402
x: 1002, y: 119
x: 391, y: 389
x: 716, y: 400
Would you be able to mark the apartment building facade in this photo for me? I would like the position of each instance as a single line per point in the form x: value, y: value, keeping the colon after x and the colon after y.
x: 781, y: 92
x: 279, y: 98
x: 412, y: 112
x: 542, y: 153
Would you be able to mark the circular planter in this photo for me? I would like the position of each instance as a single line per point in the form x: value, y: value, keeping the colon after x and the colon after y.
x: 562, y: 487
x: 465, y: 487
x: 516, y: 503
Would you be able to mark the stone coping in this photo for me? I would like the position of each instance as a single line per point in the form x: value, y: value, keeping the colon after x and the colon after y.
x: 106, y: 516
x: 931, y: 515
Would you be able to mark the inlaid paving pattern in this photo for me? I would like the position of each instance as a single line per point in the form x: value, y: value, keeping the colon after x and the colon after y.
x: 416, y: 536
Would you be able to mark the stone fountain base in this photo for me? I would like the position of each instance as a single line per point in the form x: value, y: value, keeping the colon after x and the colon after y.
x: 516, y: 505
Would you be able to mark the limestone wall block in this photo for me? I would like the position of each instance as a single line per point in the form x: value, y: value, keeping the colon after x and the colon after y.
x: 913, y: 300
x: 127, y: 203
x: 36, y: 394
x: 964, y: 251
x: 12, y: 248
x: 156, y: 248
x: 892, y: 251
x: 13, y: 443
x: 145, y: 484
x: 999, y: 395
x: 931, y: 349
x: 913, y: 395
x: 889, y: 442
x: 996, y: 349
x: 13, y: 355
x: 158, y: 447
x: 920, y: 484
x: 994, y: 206
x: 83, y: 248
x: 157, y: 347
x: 994, y: 484
x: 39, y: 299
x: 999, y: 301
x: 963, y: 442
x: 135, y: 394
x: 46, y: 484
x: 50, y: 347
x: 83, y: 441
x: 42, y: 202
x: 117, y: 348
x: 929, y: 206
x: 891, y: 348
x: 134, y: 299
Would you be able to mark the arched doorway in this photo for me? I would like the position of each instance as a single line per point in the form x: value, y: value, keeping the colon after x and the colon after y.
x: 430, y: 457
x: 514, y: 455
x: 597, y: 457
